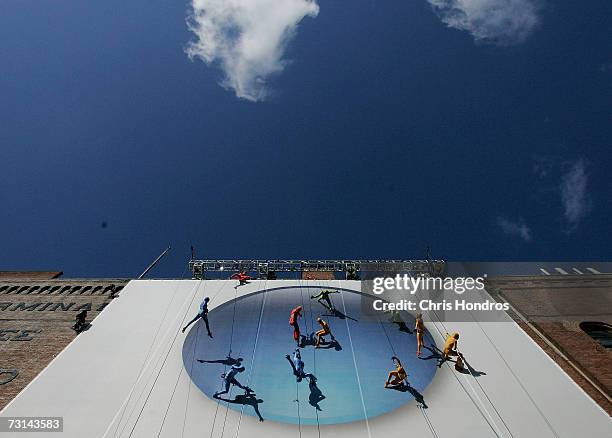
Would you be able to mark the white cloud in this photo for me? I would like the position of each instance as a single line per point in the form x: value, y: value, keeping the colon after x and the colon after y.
x: 514, y: 228
x: 247, y: 38
x: 574, y: 194
x: 503, y: 22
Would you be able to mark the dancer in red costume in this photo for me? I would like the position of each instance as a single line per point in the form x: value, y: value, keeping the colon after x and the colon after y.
x: 242, y: 277
x: 293, y: 322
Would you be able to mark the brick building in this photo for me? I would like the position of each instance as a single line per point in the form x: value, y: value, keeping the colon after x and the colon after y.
x: 570, y: 317
x: 37, y: 311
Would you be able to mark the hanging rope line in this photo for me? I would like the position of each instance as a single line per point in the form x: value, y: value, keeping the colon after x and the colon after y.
x: 197, y: 339
x: 263, y: 306
x: 193, y: 360
x: 297, y: 387
x: 171, y: 347
x: 177, y: 381
x: 195, y: 348
x: 314, y: 355
x: 552, y: 429
x: 212, y: 299
x: 479, y: 385
x: 355, y: 364
x: 229, y: 394
x: 491, y: 423
x: 230, y: 352
x: 165, y: 359
x: 501, y: 356
x: 157, y: 354
x: 419, y: 405
x: 428, y: 421
x: 297, y: 401
x: 233, y: 319
x: 145, y: 364
x: 308, y: 331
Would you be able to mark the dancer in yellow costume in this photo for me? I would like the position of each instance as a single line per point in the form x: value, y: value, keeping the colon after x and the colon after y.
x: 323, y: 332
x: 398, y: 375
x: 450, y: 346
x: 419, y: 329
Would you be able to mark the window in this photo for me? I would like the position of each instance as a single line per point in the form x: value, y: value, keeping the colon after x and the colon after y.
x: 599, y: 331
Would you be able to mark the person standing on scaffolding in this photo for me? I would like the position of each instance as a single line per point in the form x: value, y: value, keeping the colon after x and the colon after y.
x: 203, y: 313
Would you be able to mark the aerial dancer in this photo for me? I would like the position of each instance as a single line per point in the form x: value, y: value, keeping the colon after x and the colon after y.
x: 293, y: 322
x: 398, y: 376
x: 323, y: 332
x: 450, y: 347
x: 242, y: 278
x: 297, y: 365
x: 229, y: 379
x: 419, y: 329
x: 203, y: 313
x: 324, y: 296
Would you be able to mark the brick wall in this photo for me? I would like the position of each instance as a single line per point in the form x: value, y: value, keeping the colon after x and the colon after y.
x: 36, y: 319
x: 555, y: 306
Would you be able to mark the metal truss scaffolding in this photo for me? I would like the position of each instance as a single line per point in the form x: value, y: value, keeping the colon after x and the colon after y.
x: 351, y: 268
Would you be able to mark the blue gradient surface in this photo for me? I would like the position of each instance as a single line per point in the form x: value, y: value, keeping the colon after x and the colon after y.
x: 351, y: 377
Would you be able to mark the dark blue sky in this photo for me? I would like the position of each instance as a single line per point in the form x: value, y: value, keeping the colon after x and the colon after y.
x: 386, y: 132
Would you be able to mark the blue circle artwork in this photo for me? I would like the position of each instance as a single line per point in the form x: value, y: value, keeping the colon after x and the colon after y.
x: 350, y: 373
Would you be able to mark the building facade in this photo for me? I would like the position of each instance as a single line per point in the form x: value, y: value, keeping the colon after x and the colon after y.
x: 37, y: 312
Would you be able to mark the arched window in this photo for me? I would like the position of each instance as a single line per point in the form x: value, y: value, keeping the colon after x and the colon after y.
x: 599, y: 331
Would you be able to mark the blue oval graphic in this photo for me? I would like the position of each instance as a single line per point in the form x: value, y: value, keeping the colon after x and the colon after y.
x: 349, y: 373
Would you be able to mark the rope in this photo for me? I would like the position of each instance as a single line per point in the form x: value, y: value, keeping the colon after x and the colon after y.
x: 514, y: 375
x: 195, y: 348
x: 263, y: 305
x: 428, y: 421
x: 164, y: 362
x: 297, y: 401
x: 511, y: 371
x: 176, y: 384
x: 181, y: 373
x: 421, y: 408
x: 297, y: 387
x: 193, y: 360
x: 145, y: 364
x: 485, y: 394
x: 233, y: 320
x: 229, y: 394
x: 492, y: 426
x: 355, y: 365
x: 314, y: 354
x: 308, y: 331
